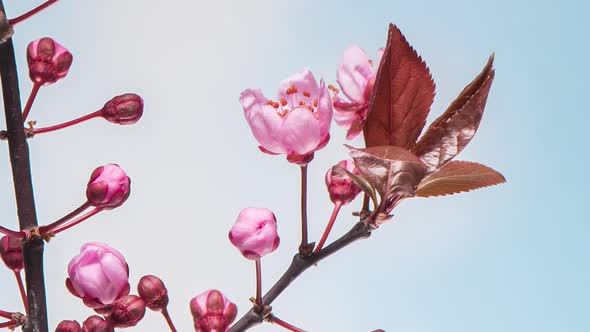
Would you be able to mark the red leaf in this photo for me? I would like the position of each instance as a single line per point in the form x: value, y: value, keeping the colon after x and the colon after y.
x: 456, y: 177
x: 452, y: 131
x: 401, y: 97
x: 393, y: 171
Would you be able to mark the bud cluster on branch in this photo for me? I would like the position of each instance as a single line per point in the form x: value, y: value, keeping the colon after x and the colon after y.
x: 385, y: 101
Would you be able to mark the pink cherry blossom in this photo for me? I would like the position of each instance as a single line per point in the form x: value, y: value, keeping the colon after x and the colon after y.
x: 99, y: 275
x: 297, y: 124
x: 255, y: 233
x: 355, y: 76
x: 341, y: 188
x: 109, y: 187
x: 212, y: 311
x: 48, y: 61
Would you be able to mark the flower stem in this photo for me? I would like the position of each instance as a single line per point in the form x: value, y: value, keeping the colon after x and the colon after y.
x: 46, y: 228
x: 168, y: 320
x: 275, y: 320
x: 21, y: 288
x: 11, y: 233
x: 32, y: 12
x: 6, y: 314
x: 320, y: 245
x: 76, y: 221
x: 258, y: 283
x: 32, y: 96
x: 66, y: 124
x: 304, y: 246
x: 8, y: 324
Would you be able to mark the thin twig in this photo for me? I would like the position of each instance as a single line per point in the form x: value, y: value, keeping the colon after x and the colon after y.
x: 299, y: 264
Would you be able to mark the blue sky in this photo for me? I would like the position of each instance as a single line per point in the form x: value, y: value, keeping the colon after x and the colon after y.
x: 507, y: 258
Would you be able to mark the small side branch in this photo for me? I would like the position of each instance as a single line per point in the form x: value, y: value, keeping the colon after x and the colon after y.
x: 299, y: 264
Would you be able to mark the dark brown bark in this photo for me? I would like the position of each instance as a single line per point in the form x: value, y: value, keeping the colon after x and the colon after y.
x: 23, y: 187
x: 297, y: 267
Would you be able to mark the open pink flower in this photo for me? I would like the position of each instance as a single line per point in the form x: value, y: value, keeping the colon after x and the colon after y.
x: 99, y: 275
x: 255, y: 233
x: 355, y: 76
x: 297, y: 124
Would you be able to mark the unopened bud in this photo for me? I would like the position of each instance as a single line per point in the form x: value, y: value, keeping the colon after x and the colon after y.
x: 68, y: 326
x: 11, y: 251
x: 97, y: 324
x: 124, y: 109
x: 152, y: 290
x: 109, y: 187
x: 48, y: 61
x: 128, y: 311
x: 341, y: 188
x: 212, y: 311
x: 255, y: 233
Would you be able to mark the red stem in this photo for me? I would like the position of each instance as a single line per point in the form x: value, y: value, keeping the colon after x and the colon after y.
x: 273, y: 319
x: 304, y: 241
x: 32, y: 12
x: 8, y: 324
x: 76, y: 221
x: 32, y: 96
x: 320, y: 245
x: 6, y: 314
x: 11, y: 233
x: 258, y: 283
x: 66, y: 124
x: 168, y: 320
x: 46, y: 228
x: 21, y: 288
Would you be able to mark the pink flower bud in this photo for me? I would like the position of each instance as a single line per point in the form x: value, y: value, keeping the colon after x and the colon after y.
x: 127, y: 311
x: 98, y: 275
x: 212, y: 312
x: 124, y: 109
x: 48, y: 61
x: 97, y: 324
x: 109, y: 187
x: 341, y: 188
x: 68, y: 326
x: 255, y: 233
x: 153, y: 292
x: 11, y: 251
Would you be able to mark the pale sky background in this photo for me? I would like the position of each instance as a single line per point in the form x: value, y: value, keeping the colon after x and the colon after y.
x: 508, y: 258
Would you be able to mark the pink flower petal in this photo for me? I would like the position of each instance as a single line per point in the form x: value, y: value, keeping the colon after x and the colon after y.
x: 300, y: 132
x: 324, y: 110
x: 303, y: 81
x: 353, y: 73
x: 263, y: 120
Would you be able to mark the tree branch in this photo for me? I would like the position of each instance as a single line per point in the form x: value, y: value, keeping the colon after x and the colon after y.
x: 298, y: 266
x: 23, y: 187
